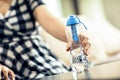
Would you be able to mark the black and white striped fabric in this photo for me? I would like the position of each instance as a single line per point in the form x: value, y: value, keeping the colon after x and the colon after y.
x: 21, y: 48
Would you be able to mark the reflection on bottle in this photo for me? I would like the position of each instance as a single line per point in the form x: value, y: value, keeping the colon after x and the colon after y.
x: 75, y: 75
x: 79, y: 63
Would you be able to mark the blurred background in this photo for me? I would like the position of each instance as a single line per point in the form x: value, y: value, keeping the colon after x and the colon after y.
x: 102, y: 17
x: 108, y: 9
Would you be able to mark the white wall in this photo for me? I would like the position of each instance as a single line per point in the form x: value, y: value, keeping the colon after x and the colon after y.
x: 54, y: 6
x: 93, y: 9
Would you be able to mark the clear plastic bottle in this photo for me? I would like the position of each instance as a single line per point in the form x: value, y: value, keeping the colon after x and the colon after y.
x: 73, y: 29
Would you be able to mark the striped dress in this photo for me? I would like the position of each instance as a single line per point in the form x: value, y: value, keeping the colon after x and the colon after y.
x: 21, y: 47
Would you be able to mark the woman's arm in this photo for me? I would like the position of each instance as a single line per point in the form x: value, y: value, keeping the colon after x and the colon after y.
x: 56, y: 27
x: 50, y: 23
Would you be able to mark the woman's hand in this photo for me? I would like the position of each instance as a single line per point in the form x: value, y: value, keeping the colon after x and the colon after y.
x: 84, y: 42
x: 6, y: 72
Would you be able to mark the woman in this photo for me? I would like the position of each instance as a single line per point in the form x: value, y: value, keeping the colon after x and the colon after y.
x: 21, y: 48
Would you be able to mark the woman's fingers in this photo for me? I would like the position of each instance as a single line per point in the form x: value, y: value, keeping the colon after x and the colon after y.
x: 0, y: 72
x: 68, y: 47
x: 11, y: 73
x: 86, y: 49
x: 6, y: 72
x: 83, y: 41
x: 85, y: 44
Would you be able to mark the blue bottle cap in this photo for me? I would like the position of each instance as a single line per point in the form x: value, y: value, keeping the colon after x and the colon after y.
x: 72, y: 20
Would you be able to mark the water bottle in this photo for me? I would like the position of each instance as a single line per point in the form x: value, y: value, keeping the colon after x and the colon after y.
x: 73, y: 29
